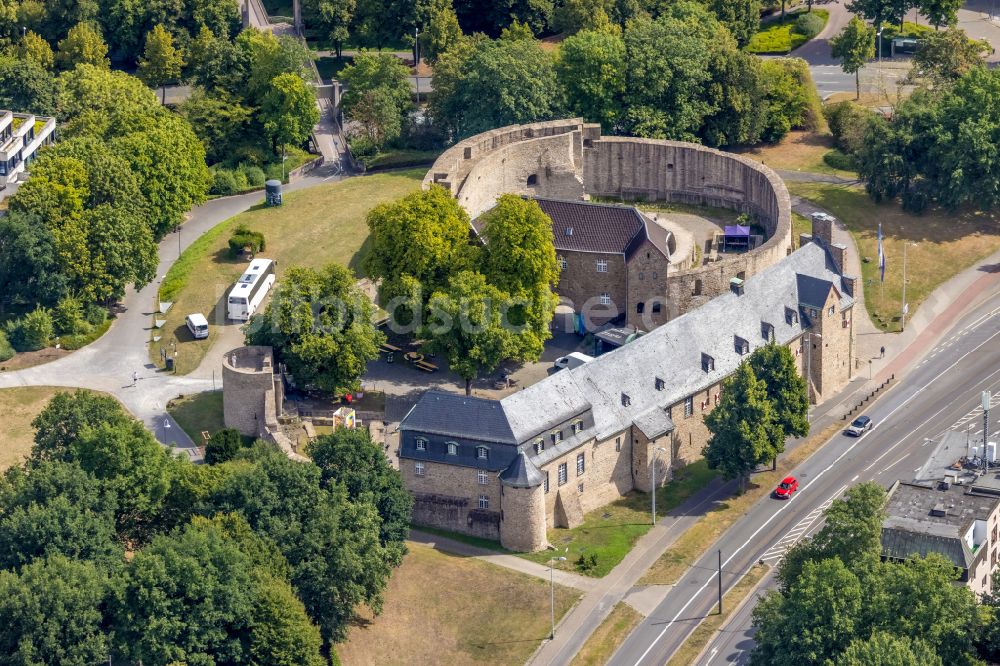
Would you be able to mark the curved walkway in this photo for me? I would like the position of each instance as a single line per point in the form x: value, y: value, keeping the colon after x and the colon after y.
x: 108, y: 363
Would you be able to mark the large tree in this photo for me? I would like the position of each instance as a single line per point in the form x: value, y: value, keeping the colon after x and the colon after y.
x: 84, y: 44
x: 774, y: 365
x: 26, y: 86
x: 944, y: 57
x: 30, y: 271
x: 940, y: 12
x: 886, y: 649
x: 331, y: 18
x: 376, y: 71
x: 161, y: 61
x: 741, y: 17
x: 288, y: 111
x: 741, y: 426
x: 321, y: 326
x: 441, y: 32
x: 32, y: 47
x: 377, y: 115
x: 590, y: 67
x: 855, y: 45
x: 220, y: 120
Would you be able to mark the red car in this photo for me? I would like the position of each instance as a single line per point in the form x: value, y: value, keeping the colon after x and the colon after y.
x: 785, y: 489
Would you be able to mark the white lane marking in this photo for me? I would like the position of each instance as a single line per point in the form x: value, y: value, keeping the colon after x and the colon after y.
x: 855, y: 478
x: 715, y: 651
x: 812, y: 481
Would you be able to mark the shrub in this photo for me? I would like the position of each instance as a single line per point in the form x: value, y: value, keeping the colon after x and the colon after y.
x: 6, y: 349
x: 241, y: 181
x: 224, y: 183
x: 95, y: 314
x: 244, y: 237
x: 31, y: 332
x: 840, y: 160
x: 809, y: 25
x: 68, y: 316
x: 848, y: 122
x: 223, y: 446
x: 253, y: 174
x: 586, y: 562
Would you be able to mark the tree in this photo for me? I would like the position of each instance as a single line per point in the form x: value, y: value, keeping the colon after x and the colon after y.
x: 854, y: 46
x: 223, y: 446
x: 29, y: 267
x: 161, y: 61
x: 774, y: 365
x: 26, y: 86
x: 590, y: 67
x: 289, y: 111
x: 377, y: 115
x: 441, y: 33
x: 573, y: 16
x: 35, y: 49
x: 61, y: 424
x: 84, y: 45
x: 423, y: 236
x: 372, y: 71
x: 331, y: 18
x: 52, y: 611
x: 742, y: 17
x: 218, y: 65
x: 791, y: 99
x: 944, y: 57
x: 875, y: 11
x: 269, y: 56
x: 940, y: 12
x: 219, y: 120
x: 741, y: 426
x: 320, y: 325
x: 467, y: 324
x: 350, y: 458
x: 88, y: 90
x: 484, y: 84
x: 886, y: 649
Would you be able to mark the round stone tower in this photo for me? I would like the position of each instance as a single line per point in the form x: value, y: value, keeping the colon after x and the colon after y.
x: 522, y: 506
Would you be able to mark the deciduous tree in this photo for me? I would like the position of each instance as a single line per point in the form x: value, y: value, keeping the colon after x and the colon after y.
x: 590, y: 67
x: 373, y: 71
x: 288, y: 111
x: 84, y: 45
x: 26, y: 86
x: 376, y: 113
x: 887, y: 649
x: 742, y: 17
x: 940, y: 12
x: 331, y: 18
x: 855, y: 45
x: 220, y: 120
x: 32, y: 47
x: 944, y: 57
x: 441, y: 32
x: 161, y: 61
x: 774, y: 365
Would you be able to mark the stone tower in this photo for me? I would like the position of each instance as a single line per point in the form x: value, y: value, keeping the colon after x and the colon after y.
x: 522, y: 506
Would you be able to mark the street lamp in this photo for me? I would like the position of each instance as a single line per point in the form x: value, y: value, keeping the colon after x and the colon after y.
x: 906, y: 306
x: 416, y: 61
x: 552, y: 595
x: 879, y: 34
x: 652, y: 492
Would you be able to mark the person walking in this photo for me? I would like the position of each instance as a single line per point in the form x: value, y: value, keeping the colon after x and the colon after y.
x: 135, y: 378
x: 882, y: 352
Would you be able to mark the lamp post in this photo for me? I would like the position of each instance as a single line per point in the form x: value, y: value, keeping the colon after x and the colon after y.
x: 879, y: 34
x: 906, y: 306
x: 552, y: 595
x: 652, y: 490
x: 416, y: 61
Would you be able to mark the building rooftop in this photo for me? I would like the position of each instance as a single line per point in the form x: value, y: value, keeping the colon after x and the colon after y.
x: 453, y: 415
x: 947, y: 460
x: 521, y: 473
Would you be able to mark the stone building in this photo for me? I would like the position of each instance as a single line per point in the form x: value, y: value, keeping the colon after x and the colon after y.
x: 509, y: 469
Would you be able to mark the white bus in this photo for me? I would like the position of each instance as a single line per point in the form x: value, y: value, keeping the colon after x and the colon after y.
x: 250, y: 290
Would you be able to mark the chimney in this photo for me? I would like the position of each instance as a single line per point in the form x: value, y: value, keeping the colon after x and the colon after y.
x: 805, y: 239
x: 839, y: 253
x: 850, y: 284
x: 822, y: 228
x: 736, y: 286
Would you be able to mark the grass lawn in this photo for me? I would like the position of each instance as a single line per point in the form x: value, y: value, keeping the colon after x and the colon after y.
x: 606, y: 639
x: 611, y: 531
x: 198, y: 413
x: 324, y: 224
x: 801, y: 150
x: 329, y: 66
x: 668, y: 569
x: 946, y: 244
x: 445, y: 609
x: 19, y: 407
x: 396, y: 159
x: 800, y: 225
x: 779, y: 36
x: 703, y: 633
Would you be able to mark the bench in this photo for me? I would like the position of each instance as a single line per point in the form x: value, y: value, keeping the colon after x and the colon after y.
x: 425, y: 366
x: 387, y: 348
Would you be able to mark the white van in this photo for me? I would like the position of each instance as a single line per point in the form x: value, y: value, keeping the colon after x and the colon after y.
x: 572, y: 360
x: 198, y: 326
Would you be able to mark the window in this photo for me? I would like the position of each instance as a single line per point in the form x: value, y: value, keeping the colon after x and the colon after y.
x: 602, y: 265
x: 569, y: 231
x: 481, y: 477
x: 421, y: 444
x: 697, y: 288
x: 618, y: 444
x: 562, y: 263
x: 577, y: 426
x: 655, y: 275
x: 482, y: 452
x: 539, y: 445
x: 418, y: 469
x: 484, y: 502
x: 545, y: 482
x: 452, y: 449
x: 579, y: 487
x: 707, y: 363
x: 689, y: 405
x: 641, y: 276
x: 791, y: 316
x: 605, y: 299
x: 626, y: 401
x: 660, y: 384
x: 556, y: 436
x: 532, y: 180
x: 581, y: 465
x: 767, y: 331
x: 742, y: 346
x: 831, y: 311
x: 561, y: 478
x: 656, y: 307
x: 640, y: 307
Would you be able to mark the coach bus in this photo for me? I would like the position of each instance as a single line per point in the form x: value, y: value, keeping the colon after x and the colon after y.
x: 248, y: 293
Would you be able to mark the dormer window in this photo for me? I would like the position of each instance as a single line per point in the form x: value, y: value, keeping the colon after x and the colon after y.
x: 742, y: 346
x: 767, y: 331
x: 707, y: 363
x: 626, y: 401
x: 791, y: 316
x: 660, y: 384
x: 569, y: 231
x: 556, y: 436
x: 577, y: 426
x: 482, y: 452
x: 421, y: 444
x: 539, y: 445
x: 452, y: 449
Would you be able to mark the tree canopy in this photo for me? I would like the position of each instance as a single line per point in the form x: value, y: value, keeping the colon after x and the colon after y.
x: 855, y: 45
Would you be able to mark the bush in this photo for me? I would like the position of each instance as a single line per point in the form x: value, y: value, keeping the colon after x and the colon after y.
x: 839, y: 160
x: 6, y: 349
x: 809, y: 25
x: 95, y: 314
x: 361, y: 146
x: 587, y: 562
x: 68, y: 317
x: 848, y: 122
x: 31, y: 332
x: 243, y: 238
x: 224, y: 183
x: 254, y: 175
x: 223, y: 446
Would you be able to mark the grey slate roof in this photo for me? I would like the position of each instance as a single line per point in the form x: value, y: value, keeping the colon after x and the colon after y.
x: 673, y: 352
x: 654, y: 422
x: 522, y: 473
x: 813, y: 291
x: 453, y: 415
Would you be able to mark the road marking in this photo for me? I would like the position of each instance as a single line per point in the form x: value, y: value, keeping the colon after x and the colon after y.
x: 855, y: 478
x: 812, y: 481
x: 715, y: 651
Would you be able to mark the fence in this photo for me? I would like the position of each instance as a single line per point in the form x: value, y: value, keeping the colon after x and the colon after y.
x: 868, y: 397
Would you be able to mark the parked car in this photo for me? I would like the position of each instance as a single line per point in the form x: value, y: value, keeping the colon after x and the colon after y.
x: 572, y: 360
x: 859, y: 426
x: 785, y: 489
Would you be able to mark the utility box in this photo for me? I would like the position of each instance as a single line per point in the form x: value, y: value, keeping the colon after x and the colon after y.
x: 272, y: 192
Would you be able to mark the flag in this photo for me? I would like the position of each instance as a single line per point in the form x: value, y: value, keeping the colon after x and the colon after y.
x: 881, y: 255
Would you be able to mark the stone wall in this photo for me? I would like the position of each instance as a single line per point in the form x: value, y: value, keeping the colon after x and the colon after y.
x: 247, y: 377
x: 647, y: 284
x: 447, y: 497
x: 580, y: 285
x: 522, y: 519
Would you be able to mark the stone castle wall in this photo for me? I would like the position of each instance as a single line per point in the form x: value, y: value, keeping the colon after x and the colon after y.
x: 522, y: 519
x: 247, y: 378
x: 447, y: 497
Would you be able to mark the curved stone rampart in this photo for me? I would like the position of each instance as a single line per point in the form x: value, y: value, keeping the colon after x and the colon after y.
x: 569, y: 159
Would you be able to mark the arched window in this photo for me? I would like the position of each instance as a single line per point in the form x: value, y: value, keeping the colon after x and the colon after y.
x: 532, y: 180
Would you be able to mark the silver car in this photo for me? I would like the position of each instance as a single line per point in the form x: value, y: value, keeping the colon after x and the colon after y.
x: 859, y: 426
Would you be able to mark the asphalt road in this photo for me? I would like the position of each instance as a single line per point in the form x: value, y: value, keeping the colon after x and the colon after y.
x: 936, y: 394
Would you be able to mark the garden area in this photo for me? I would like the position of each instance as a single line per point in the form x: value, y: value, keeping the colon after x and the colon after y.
x: 783, y: 35
x: 312, y: 228
x: 447, y: 609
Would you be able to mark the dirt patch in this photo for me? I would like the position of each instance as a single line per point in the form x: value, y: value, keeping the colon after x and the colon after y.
x: 24, y: 360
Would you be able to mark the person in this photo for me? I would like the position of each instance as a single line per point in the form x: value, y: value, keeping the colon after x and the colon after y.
x: 882, y: 352
x: 135, y: 377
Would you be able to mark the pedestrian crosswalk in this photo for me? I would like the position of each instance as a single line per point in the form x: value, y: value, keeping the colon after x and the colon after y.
x: 801, y: 529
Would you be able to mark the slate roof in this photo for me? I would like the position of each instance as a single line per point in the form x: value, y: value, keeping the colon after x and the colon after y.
x: 453, y: 415
x: 654, y: 422
x: 522, y: 473
x: 813, y: 291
